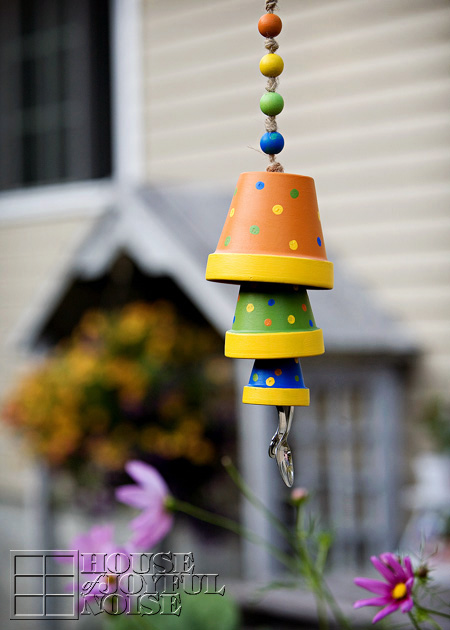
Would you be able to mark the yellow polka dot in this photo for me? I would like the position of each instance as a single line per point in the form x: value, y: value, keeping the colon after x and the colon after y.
x: 250, y: 308
x: 318, y: 215
x: 277, y: 209
x: 231, y: 212
x: 270, y: 381
x: 293, y: 244
x: 291, y: 319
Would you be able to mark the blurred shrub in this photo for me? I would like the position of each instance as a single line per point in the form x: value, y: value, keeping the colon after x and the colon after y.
x: 140, y: 381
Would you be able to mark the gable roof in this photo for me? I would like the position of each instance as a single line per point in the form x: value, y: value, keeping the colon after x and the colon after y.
x: 170, y: 231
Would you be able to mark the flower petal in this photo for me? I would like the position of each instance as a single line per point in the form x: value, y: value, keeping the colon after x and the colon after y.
x: 386, y: 611
x: 132, y: 495
x: 148, y: 477
x: 408, y: 566
x: 407, y: 605
x: 383, y: 569
x: 373, y: 601
x: 374, y: 586
x: 397, y: 568
x: 145, y: 538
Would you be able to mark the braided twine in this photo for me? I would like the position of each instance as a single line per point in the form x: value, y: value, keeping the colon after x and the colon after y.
x: 272, y: 84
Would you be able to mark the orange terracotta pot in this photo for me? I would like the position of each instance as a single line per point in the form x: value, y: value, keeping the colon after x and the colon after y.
x: 272, y: 233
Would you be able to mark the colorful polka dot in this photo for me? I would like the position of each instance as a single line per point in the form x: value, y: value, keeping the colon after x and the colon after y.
x: 294, y: 193
x: 232, y: 211
x: 255, y: 377
x: 296, y: 360
x: 254, y: 229
x: 259, y: 185
x: 293, y: 244
x: 311, y: 323
x: 291, y: 319
x: 239, y: 297
x: 319, y: 242
x: 271, y: 302
x: 270, y: 381
x: 234, y: 319
x: 268, y: 322
x: 297, y: 377
x: 227, y: 241
x: 318, y: 215
x: 235, y: 190
x: 295, y: 287
x: 250, y: 308
x: 277, y: 209
x: 278, y: 372
x: 304, y: 307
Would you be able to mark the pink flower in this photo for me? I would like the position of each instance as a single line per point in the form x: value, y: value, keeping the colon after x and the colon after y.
x: 98, y: 540
x: 395, y: 593
x: 150, y: 496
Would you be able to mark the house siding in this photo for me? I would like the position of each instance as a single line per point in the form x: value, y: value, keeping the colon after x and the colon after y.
x: 366, y: 86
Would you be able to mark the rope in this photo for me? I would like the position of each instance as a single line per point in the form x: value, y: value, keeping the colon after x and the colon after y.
x: 272, y: 84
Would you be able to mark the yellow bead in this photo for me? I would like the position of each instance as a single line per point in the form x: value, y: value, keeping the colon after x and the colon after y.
x: 271, y: 65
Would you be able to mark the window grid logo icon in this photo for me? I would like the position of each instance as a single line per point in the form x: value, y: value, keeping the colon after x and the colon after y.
x: 44, y: 584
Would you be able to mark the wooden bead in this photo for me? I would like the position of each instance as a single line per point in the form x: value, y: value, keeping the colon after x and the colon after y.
x: 271, y: 65
x: 271, y: 103
x: 272, y: 143
x: 269, y: 25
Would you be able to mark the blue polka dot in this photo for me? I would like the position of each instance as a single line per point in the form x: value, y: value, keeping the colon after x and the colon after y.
x: 319, y: 241
x: 271, y: 302
x: 259, y: 185
x: 311, y: 323
x: 234, y: 319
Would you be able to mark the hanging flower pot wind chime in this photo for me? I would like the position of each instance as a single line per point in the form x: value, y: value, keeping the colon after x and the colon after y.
x: 272, y: 245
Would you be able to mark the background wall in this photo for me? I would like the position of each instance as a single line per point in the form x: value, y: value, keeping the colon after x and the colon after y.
x: 366, y: 88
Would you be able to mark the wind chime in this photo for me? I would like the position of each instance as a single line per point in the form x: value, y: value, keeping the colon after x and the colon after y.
x: 272, y: 245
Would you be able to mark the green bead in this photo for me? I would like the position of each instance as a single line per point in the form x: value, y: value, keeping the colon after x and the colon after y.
x: 271, y: 103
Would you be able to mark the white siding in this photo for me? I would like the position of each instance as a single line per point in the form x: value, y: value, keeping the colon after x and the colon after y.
x: 367, y: 92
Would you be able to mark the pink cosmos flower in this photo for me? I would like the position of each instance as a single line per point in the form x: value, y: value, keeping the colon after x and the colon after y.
x: 393, y: 594
x: 98, y: 540
x: 150, y: 496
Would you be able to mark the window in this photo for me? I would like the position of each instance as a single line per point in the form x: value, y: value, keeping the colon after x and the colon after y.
x: 55, y: 96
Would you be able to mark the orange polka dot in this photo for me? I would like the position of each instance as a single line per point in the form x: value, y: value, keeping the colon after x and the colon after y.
x: 296, y: 360
x: 268, y: 322
x: 304, y: 307
x: 278, y: 372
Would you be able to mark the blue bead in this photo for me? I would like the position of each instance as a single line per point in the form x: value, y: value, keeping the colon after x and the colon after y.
x: 272, y: 143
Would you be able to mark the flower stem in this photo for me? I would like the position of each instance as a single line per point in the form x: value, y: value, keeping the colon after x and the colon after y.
x: 253, y: 499
x: 435, y: 612
x: 232, y: 526
x: 413, y: 621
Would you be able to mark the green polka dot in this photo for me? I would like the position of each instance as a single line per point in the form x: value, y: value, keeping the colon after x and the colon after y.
x: 254, y: 229
x: 297, y: 377
x: 255, y: 377
x: 235, y: 190
x: 294, y: 193
x: 227, y: 240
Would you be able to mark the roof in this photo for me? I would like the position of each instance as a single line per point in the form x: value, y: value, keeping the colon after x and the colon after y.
x: 170, y: 231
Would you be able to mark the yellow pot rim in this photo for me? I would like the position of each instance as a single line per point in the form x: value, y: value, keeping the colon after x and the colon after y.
x: 278, y: 345
x: 275, y: 396
x: 308, y: 272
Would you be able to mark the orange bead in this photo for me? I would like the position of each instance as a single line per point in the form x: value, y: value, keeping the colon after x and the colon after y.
x: 270, y: 25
